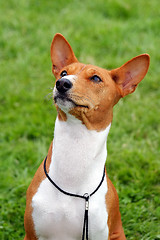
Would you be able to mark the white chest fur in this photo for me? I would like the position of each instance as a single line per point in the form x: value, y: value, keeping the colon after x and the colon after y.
x: 77, y: 164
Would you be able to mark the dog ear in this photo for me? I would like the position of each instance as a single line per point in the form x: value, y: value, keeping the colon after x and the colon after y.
x: 61, y: 53
x: 130, y: 74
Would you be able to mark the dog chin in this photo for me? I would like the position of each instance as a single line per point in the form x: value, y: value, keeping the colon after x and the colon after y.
x: 64, y: 104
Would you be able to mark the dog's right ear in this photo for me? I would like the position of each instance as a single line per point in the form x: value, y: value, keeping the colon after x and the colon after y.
x: 61, y: 53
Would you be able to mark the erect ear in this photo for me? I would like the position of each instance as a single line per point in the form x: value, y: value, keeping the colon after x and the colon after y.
x: 61, y: 53
x: 131, y: 73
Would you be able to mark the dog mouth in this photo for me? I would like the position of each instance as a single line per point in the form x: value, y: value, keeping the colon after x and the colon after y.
x: 64, y: 100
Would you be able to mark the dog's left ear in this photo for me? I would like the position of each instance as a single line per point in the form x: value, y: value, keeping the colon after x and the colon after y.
x: 61, y: 53
x: 130, y: 74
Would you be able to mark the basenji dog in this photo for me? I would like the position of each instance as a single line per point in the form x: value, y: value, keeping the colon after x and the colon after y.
x: 71, y: 196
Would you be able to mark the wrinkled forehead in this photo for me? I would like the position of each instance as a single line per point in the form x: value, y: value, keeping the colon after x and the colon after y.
x: 86, y: 69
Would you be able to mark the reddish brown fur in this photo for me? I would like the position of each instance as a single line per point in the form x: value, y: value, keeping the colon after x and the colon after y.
x: 38, y: 178
x: 96, y: 111
x: 114, y: 217
x: 99, y: 98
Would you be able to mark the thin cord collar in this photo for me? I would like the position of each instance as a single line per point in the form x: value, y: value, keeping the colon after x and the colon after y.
x: 86, y: 197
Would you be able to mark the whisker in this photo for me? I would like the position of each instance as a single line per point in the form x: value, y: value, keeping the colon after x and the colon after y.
x: 50, y: 88
x: 50, y: 98
x: 48, y: 95
x: 82, y: 98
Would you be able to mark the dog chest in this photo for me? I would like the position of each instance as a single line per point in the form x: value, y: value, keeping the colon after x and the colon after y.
x: 60, y: 217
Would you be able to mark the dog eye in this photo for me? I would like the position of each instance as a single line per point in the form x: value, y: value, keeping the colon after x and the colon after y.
x: 63, y: 73
x: 96, y: 79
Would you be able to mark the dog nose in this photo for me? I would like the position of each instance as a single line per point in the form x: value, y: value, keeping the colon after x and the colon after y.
x: 63, y: 85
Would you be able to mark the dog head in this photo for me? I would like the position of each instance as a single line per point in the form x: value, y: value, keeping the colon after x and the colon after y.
x: 89, y: 92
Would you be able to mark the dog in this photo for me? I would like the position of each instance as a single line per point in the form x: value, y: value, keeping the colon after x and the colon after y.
x: 71, y: 196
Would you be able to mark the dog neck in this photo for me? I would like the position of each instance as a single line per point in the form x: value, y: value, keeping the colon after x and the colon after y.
x: 78, y: 156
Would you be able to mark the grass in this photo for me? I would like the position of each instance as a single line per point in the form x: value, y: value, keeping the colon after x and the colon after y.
x: 105, y: 33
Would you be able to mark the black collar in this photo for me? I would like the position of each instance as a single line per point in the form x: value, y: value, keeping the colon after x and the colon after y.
x: 86, y: 197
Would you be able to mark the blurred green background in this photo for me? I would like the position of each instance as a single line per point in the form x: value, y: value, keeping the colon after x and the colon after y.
x: 106, y: 33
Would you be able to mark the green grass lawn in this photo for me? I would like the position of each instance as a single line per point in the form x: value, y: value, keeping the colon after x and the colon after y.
x: 102, y: 32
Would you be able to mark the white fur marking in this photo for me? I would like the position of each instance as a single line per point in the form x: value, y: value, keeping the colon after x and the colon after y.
x: 64, y: 104
x: 77, y: 163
